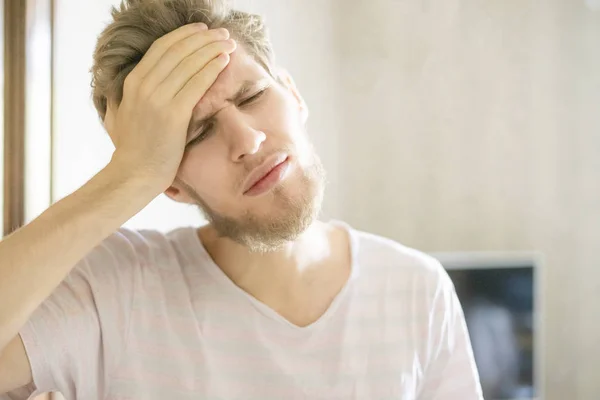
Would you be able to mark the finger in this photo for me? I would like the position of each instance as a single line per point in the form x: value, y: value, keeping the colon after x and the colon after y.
x: 162, y: 44
x: 180, y: 51
x: 192, y: 65
x: 198, y: 85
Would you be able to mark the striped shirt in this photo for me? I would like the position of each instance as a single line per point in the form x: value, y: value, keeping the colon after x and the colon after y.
x: 148, y: 315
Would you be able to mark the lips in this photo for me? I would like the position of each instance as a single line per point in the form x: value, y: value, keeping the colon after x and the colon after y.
x: 263, y: 170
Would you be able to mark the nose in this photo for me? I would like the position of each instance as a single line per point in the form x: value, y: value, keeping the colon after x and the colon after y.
x: 244, y: 139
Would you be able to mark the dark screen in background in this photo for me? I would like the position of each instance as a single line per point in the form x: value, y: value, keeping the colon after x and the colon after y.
x: 499, y: 309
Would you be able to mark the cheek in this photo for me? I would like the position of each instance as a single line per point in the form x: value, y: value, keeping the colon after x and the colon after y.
x: 201, y: 170
x: 284, y: 119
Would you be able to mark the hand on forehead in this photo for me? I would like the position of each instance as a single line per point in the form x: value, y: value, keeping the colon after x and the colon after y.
x: 241, y: 69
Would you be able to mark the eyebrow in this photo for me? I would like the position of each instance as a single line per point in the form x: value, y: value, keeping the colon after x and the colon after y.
x: 247, y: 86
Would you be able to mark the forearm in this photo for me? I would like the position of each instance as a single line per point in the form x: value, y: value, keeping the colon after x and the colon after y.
x: 36, y: 258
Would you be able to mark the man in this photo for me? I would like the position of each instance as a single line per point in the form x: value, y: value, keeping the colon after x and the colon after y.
x: 263, y: 302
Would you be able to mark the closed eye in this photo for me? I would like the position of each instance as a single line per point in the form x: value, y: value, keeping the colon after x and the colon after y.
x: 253, y: 98
x: 203, y: 134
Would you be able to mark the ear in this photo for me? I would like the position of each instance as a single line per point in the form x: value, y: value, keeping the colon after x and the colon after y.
x: 179, y: 192
x: 287, y: 80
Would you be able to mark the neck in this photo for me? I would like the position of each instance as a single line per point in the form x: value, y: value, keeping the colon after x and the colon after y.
x: 280, y: 271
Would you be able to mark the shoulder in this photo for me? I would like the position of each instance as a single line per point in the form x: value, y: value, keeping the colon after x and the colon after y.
x: 379, y: 253
x: 127, y: 251
x: 390, y: 268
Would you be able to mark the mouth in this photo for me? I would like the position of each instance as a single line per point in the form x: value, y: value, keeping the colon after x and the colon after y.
x: 267, y: 175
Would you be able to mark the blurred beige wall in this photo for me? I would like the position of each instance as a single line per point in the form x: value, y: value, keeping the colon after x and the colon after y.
x: 475, y: 125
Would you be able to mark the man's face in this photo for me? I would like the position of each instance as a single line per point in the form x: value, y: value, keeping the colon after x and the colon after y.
x: 233, y: 141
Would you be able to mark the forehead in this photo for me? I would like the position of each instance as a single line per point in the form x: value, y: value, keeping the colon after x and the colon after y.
x: 242, y: 67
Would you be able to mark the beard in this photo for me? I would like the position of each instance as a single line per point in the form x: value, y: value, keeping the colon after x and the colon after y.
x: 292, y: 213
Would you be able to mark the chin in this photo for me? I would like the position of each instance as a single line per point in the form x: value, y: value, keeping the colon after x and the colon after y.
x: 279, y: 218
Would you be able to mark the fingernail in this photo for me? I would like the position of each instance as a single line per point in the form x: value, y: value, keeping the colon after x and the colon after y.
x: 225, y: 32
x: 202, y: 25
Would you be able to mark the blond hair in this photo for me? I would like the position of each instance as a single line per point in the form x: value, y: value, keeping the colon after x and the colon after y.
x: 138, y: 23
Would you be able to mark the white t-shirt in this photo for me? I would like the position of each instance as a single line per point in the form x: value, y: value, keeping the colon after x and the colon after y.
x: 150, y: 316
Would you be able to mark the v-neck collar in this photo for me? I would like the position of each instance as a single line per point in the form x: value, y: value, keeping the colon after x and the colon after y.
x: 200, y: 253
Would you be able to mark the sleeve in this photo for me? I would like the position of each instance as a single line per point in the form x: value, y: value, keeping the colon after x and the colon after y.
x: 450, y: 372
x: 75, y: 339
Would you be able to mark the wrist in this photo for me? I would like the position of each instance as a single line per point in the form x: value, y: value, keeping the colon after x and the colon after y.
x: 125, y: 169
x: 138, y: 181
